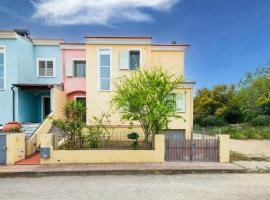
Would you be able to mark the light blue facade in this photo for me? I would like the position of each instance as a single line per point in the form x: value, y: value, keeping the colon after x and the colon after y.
x: 21, y: 67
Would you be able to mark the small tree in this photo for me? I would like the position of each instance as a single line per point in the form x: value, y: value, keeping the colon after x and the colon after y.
x: 97, y: 132
x: 147, y: 96
x: 73, y: 124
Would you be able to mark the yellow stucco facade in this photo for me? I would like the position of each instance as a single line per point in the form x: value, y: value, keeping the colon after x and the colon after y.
x: 169, y: 57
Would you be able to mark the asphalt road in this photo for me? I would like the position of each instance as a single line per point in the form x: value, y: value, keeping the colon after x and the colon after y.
x: 125, y: 187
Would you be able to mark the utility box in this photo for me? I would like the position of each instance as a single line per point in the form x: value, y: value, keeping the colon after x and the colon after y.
x: 45, y: 152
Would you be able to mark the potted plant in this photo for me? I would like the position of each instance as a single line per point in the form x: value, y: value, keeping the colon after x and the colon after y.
x: 12, y: 127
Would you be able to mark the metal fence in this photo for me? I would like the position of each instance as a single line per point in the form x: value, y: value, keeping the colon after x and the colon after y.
x: 116, y: 140
x: 198, y: 148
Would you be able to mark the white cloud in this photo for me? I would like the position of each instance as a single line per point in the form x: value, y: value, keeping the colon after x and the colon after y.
x: 105, y: 12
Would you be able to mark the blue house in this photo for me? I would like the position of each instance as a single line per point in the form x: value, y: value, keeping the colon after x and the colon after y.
x: 29, y: 68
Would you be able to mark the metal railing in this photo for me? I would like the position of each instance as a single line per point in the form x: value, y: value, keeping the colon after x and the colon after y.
x: 117, y: 140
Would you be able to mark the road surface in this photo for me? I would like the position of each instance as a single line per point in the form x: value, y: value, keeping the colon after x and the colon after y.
x: 126, y: 187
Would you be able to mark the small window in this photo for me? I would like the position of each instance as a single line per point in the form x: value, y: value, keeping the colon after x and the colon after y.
x: 105, y: 69
x: 79, y: 68
x: 2, y: 69
x: 129, y: 59
x: 181, y: 102
x: 45, y: 68
x: 134, y: 59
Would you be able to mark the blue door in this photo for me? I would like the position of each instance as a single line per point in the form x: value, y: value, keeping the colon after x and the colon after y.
x: 3, y: 149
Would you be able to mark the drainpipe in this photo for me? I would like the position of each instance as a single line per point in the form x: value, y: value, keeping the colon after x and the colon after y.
x: 13, y: 103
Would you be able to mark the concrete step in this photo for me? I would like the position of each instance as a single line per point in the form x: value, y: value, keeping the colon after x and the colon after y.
x: 29, y: 128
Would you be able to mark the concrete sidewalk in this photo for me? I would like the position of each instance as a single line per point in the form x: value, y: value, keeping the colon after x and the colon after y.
x: 121, y: 168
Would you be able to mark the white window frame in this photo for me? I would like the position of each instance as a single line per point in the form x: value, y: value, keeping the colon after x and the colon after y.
x: 184, y: 94
x: 42, y: 104
x: 4, y: 51
x: 73, y: 66
x: 99, y: 79
x: 46, y: 59
x: 135, y: 49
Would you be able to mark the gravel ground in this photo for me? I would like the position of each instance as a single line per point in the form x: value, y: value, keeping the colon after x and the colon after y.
x: 256, y: 148
x: 125, y: 187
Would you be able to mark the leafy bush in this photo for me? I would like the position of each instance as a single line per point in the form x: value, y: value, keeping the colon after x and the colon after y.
x: 238, y: 136
x: 211, y: 121
x: 261, y: 120
x: 134, y: 137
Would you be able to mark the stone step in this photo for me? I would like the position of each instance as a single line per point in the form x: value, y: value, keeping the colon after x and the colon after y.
x: 29, y: 128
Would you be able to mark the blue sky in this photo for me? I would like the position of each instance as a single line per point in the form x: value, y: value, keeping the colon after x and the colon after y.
x: 228, y: 37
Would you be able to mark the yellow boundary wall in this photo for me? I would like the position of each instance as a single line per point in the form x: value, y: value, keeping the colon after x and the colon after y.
x: 103, y: 156
x: 15, y: 147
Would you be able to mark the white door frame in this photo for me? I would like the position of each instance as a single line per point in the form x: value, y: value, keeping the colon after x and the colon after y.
x: 42, y: 105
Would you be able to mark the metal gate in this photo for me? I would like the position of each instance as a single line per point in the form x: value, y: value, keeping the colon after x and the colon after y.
x: 3, y: 149
x: 195, y: 149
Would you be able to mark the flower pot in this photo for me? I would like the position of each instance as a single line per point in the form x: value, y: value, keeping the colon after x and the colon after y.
x: 10, y: 126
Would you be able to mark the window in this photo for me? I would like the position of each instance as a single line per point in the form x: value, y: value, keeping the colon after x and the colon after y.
x: 45, y: 68
x: 181, y: 102
x: 79, y: 68
x: 2, y: 69
x: 105, y: 69
x: 134, y: 59
x: 130, y: 59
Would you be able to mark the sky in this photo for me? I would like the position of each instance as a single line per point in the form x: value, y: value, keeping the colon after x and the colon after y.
x: 228, y: 37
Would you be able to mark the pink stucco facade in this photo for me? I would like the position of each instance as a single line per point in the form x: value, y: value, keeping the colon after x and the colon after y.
x: 72, y: 85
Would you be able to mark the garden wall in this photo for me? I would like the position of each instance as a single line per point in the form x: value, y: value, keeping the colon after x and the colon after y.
x: 103, y: 156
x: 15, y: 143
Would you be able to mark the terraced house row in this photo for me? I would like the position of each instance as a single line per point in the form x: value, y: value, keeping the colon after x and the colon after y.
x: 37, y: 76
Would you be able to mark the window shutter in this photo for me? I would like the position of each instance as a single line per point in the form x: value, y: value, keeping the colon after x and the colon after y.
x: 69, y: 67
x: 181, y: 102
x: 124, y: 59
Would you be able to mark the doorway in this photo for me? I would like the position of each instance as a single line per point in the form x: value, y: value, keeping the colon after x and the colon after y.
x: 81, y: 99
x: 46, y: 106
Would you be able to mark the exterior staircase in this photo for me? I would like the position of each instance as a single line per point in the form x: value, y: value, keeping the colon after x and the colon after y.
x: 29, y: 128
x: 61, y: 135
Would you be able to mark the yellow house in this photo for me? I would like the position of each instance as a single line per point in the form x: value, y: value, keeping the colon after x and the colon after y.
x: 110, y: 57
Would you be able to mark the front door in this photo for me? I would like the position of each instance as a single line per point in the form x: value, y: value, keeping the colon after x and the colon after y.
x: 3, y: 149
x: 46, y: 105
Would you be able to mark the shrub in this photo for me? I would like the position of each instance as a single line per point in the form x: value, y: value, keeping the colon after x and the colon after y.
x: 261, y: 120
x: 237, y: 136
x: 134, y: 137
x: 212, y: 121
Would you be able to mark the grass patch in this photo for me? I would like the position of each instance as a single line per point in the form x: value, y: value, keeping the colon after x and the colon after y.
x: 235, y: 156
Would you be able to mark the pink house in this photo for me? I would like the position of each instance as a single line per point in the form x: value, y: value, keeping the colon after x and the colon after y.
x: 74, y: 70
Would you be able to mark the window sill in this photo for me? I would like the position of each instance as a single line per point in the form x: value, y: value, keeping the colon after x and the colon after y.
x: 46, y: 76
x: 104, y: 90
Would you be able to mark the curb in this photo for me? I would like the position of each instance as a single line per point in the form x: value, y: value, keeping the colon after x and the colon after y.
x: 117, y: 172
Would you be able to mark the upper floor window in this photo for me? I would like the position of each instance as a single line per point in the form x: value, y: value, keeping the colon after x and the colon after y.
x: 45, y: 67
x: 105, y: 69
x: 79, y: 68
x: 130, y: 59
x: 181, y: 102
x: 2, y: 69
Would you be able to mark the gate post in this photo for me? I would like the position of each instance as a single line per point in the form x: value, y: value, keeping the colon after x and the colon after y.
x: 224, y: 148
